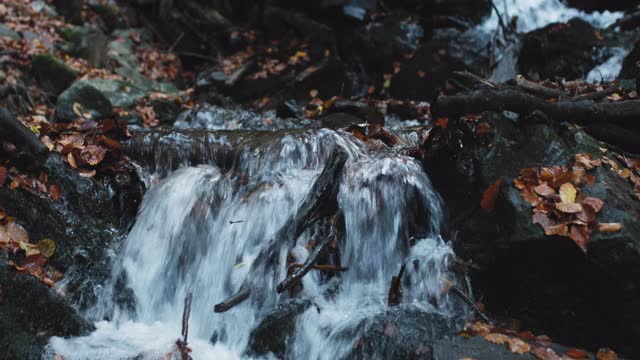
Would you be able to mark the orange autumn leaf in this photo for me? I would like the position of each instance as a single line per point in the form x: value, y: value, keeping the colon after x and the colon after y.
x: 606, y: 354
x: 488, y: 202
x: 55, y: 192
x: 497, y: 338
x: 577, y: 354
x: 518, y: 346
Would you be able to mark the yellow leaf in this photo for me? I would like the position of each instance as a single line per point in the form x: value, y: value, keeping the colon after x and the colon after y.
x: 35, y: 129
x: 568, y: 193
x: 77, y: 109
x: 47, y: 247
x: 609, y: 228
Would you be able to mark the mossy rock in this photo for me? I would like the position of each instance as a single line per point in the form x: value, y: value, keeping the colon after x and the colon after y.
x: 8, y: 32
x: 120, y: 93
x: 91, y: 99
x: 51, y: 73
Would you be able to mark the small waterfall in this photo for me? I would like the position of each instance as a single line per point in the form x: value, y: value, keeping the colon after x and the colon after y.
x: 200, y: 228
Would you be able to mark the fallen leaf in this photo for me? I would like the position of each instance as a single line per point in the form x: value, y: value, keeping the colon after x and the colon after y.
x: 54, y: 191
x: 580, y: 235
x: 545, y: 190
x: 568, y: 193
x: 559, y: 230
x: 569, y: 208
x: 3, y: 175
x: 496, y: 338
x: 47, y: 247
x: 544, y: 353
x: 93, y: 154
x: 313, y: 93
x: 606, y: 354
x: 490, y: 195
x: 72, y: 161
x: 518, y: 346
x: 608, y: 228
x: 577, y: 354
x: 478, y: 328
x: 17, y: 232
x: 78, y: 109
x: 595, y: 203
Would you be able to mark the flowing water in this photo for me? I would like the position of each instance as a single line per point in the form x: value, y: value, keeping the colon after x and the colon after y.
x: 200, y: 228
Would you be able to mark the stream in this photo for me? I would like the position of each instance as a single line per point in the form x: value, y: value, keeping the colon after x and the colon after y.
x: 199, y: 229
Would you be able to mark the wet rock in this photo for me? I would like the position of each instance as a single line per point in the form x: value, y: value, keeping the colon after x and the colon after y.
x: 52, y: 74
x: 167, y: 110
x: 86, y: 42
x: 560, y: 49
x: 120, y: 93
x: 91, y: 99
x: 31, y: 312
x: 276, y: 331
x: 8, y: 32
x: 110, y: 14
x: 289, y: 109
x: 629, y: 68
x: 366, y: 112
x: 404, y: 332
x: 547, y: 283
x: 465, y: 10
x: 339, y: 120
x: 213, y: 117
x: 332, y: 78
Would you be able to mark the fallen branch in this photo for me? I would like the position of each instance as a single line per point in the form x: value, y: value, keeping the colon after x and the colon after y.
x: 395, y: 289
x: 321, y: 201
x: 322, y: 267
x: 16, y: 133
x: 234, y: 300
x: 304, y: 268
x: 471, y: 303
x: 500, y: 99
x: 535, y: 88
x: 183, y: 345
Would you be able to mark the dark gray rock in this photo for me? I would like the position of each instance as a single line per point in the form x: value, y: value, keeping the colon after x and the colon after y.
x: 51, y: 73
x: 547, y: 283
x: 276, y: 330
x: 120, y: 93
x: 561, y: 49
x: 629, y: 68
x: 30, y: 313
x: 91, y: 99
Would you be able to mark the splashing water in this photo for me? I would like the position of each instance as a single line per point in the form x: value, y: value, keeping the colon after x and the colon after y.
x: 534, y: 14
x: 199, y: 230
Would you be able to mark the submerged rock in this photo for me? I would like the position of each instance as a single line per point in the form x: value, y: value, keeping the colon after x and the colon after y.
x: 275, y: 332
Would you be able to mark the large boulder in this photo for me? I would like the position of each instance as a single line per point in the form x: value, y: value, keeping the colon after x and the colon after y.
x: 561, y: 49
x: 597, y: 5
x: 30, y: 313
x: 546, y: 282
x: 87, y: 42
x: 629, y: 68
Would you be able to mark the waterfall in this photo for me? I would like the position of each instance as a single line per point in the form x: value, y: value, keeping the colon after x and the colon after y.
x: 199, y: 229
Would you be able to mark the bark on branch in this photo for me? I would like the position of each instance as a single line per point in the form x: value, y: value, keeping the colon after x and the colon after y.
x: 13, y: 131
x: 583, y: 111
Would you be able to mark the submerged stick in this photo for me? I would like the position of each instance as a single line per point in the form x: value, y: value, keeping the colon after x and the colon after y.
x: 471, y: 303
x: 395, y: 289
x: 322, y: 267
x: 183, y: 345
x: 234, y: 300
x: 305, y: 268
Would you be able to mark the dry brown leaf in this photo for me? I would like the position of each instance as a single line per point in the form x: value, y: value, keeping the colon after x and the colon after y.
x: 3, y: 176
x: 479, y: 328
x: 580, y: 235
x: 497, y: 338
x: 54, y: 191
x: 93, y: 154
x: 544, y: 353
x: 488, y: 202
x: 568, y: 193
x: 559, y: 230
x: 569, y: 208
x: 608, y: 228
x: 595, y: 203
x: 606, y: 354
x: 518, y: 346
x: 544, y: 190
x: 577, y: 354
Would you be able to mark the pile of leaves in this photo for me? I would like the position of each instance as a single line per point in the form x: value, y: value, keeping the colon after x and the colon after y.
x: 25, y: 256
x: 559, y: 206
x: 526, y: 342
